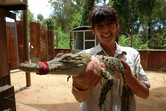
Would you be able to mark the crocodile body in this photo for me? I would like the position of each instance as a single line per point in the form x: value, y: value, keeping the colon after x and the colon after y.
x: 75, y: 64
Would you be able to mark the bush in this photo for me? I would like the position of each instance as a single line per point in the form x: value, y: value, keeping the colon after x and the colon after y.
x: 136, y: 43
x: 63, y: 38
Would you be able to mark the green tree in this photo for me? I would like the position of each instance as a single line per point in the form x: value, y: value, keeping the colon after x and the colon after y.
x: 40, y: 18
x: 145, y: 17
x: 128, y: 14
x: 137, y: 42
x: 76, y: 20
x: 153, y: 23
x: 63, y: 12
x: 50, y: 23
x: 146, y: 10
x: 63, y: 38
x: 87, y: 8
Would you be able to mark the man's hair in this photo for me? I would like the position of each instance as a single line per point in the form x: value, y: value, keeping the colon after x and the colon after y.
x: 102, y: 13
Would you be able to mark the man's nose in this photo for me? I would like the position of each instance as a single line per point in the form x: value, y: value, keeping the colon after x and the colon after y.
x: 105, y: 28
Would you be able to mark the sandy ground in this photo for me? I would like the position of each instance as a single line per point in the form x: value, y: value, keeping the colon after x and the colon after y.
x: 53, y: 93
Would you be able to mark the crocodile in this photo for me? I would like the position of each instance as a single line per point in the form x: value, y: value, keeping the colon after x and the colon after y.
x: 75, y: 65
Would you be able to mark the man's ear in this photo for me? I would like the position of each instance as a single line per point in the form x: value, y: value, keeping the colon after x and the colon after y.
x: 94, y: 32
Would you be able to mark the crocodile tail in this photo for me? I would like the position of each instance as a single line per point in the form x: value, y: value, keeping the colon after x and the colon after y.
x: 106, y: 88
x: 126, y: 98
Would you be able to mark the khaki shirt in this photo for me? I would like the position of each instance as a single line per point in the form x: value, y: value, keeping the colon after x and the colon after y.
x: 113, y: 99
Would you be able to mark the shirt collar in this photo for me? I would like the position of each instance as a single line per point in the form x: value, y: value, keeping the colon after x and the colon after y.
x: 119, y: 50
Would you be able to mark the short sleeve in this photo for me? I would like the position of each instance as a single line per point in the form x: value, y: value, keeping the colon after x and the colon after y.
x: 140, y: 73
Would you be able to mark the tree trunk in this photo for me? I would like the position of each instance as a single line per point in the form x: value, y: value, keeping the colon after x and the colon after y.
x: 87, y: 8
x: 131, y: 36
x: 149, y: 30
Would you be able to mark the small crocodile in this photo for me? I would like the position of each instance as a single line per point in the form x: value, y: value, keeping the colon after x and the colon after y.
x: 75, y: 64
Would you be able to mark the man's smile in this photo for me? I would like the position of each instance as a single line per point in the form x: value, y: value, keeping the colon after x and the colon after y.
x: 106, y: 35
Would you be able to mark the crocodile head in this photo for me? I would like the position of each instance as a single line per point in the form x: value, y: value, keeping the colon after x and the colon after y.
x: 69, y: 64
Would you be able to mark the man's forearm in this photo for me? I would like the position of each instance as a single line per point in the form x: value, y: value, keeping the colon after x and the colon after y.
x: 139, y: 88
x: 80, y: 96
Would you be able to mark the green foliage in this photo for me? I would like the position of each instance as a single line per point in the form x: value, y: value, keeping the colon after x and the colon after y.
x: 50, y: 23
x: 63, y: 38
x: 87, y: 8
x: 128, y: 14
x: 136, y: 42
x: 40, y: 18
x: 76, y: 20
x: 158, y: 41
x: 124, y: 41
x: 63, y: 12
x: 146, y: 17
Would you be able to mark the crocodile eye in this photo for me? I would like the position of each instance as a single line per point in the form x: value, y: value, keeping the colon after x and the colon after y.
x: 59, y: 54
x: 67, y: 58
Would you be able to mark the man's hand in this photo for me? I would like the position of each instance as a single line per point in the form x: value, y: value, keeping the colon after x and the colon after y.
x: 91, y: 77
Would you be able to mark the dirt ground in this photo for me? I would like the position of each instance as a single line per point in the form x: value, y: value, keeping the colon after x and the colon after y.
x: 53, y: 93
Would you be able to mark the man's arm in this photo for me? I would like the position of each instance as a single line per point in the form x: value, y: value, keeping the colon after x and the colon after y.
x: 138, y: 87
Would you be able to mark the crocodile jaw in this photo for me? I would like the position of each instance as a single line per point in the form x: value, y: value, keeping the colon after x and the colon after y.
x: 29, y: 67
x: 73, y: 70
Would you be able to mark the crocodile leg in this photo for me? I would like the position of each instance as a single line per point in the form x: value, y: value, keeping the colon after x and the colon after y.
x: 107, y: 86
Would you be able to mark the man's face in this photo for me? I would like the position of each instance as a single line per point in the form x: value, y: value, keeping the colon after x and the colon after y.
x: 106, y: 31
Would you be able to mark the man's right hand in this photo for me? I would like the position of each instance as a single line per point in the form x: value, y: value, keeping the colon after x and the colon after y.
x: 91, y: 77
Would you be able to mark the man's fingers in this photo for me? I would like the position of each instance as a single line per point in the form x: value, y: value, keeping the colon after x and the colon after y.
x: 125, y: 64
x: 102, y: 65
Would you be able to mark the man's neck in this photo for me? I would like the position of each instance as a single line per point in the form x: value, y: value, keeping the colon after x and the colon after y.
x: 109, y: 49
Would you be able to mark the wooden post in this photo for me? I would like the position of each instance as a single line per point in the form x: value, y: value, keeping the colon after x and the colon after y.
x: 50, y: 37
x: 57, y: 40
x: 70, y: 40
x: 3, y: 45
x: 131, y: 36
x: 26, y: 42
x: 7, y: 98
x: 4, y: 66
x: 12, y: 44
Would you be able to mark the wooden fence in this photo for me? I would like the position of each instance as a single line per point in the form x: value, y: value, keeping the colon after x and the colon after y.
x: 153, y: 59
x: 41, y: 43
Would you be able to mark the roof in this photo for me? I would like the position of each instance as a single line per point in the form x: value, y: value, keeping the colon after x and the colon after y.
x: 81, y: 28
x: 13, y: 4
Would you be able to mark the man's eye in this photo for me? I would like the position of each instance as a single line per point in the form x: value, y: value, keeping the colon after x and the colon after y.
x: 99, y: 26
x: 109, y: 23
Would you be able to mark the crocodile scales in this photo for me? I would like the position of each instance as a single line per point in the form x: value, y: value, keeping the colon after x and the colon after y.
x: 75, y: 64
